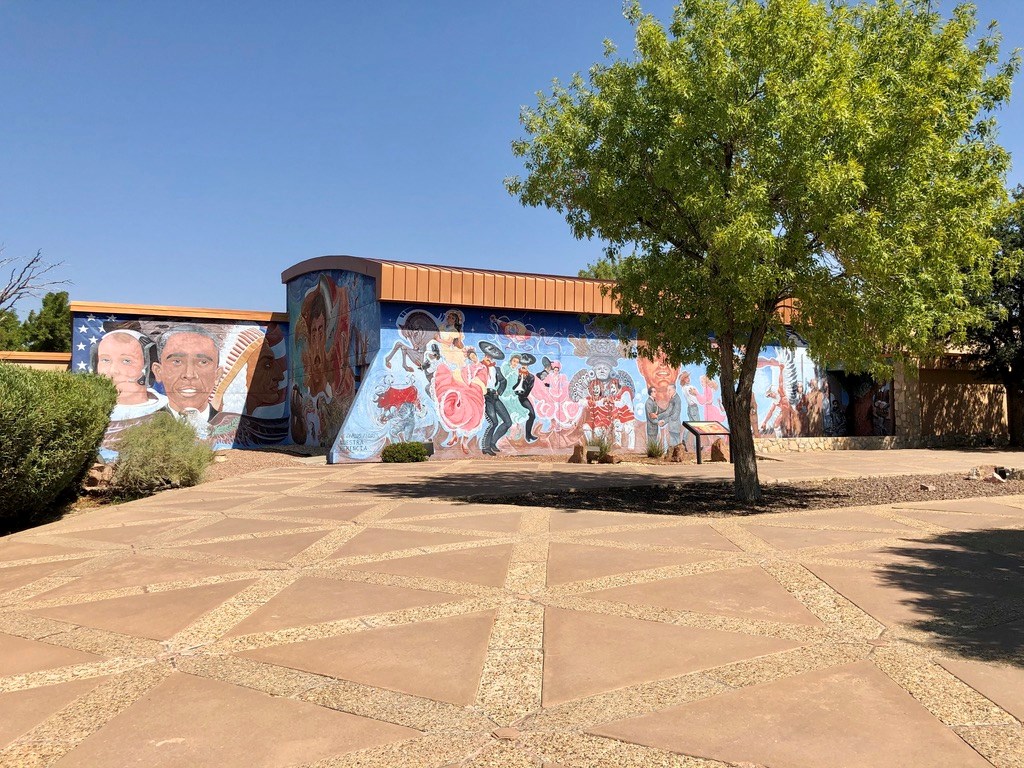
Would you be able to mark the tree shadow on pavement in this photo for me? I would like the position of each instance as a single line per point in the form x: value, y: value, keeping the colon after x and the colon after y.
x: 968, y: 588
x: 608, y: 491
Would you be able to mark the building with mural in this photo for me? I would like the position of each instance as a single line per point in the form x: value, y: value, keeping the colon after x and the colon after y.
x: 476, y: 363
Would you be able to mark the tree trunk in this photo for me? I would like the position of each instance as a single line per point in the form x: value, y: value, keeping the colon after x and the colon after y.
x: 1015, y: 412
x: 736, y: 399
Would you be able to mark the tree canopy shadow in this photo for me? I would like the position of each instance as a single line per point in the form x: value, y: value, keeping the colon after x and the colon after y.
x: 614, y: 491
x: 968, y: 587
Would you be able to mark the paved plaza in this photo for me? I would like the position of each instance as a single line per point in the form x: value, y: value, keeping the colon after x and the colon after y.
x: 362, y: 615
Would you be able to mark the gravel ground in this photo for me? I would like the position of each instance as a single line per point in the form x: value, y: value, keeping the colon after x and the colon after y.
x: 241, y: 462
x: 714, y: 498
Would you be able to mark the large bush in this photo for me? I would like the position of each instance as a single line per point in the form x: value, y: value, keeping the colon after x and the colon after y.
x: 159, y: 453
x: 404, y: 452
x: 51, y: 423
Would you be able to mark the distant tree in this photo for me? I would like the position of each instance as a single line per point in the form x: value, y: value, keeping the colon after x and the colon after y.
x: 12, y: 336
x: 27, y: 277
x: 758, y: 153
x: 1000, y: 338
x: 49, y: 330
x: 602, y: 269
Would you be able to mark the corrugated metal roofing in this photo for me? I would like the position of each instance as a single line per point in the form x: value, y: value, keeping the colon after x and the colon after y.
x: 457, y: 286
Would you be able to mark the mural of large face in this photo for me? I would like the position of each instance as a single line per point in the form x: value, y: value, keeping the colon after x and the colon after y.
x: 188, y: 369
x: 121, y: 359
x: 265, y: 376
x: 657, y: 373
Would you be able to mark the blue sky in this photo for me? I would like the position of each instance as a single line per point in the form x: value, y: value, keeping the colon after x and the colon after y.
x: 187, y: 153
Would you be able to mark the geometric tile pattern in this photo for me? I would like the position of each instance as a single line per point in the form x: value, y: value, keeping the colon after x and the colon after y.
x: 354, y: 615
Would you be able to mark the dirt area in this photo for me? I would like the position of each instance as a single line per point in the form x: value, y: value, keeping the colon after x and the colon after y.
x: 234, y: 462
x: 713, y: 498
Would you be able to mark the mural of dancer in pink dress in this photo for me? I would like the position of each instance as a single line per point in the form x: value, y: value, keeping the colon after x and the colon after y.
x: 459, y: 394
x: 551, y: 399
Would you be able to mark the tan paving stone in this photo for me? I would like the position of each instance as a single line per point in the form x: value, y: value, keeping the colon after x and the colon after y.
x: 439, y: 660
x: 798, y: 538
x: 562, y: 521
x: 156, y: 615
x: 191, y: 721
x: 743, y: 592
x: 314, y: 600
x: 20, y: 711
x: 694, y: 536
x: 850, y: 716
x: 12, y: 550
x: 276, y: 549
x: 310, y: 506
x: 127, y: 534
x: 138, y: 571
x: 507, y: 522
x: 422, y: 509
x: 1001, y: 683
x: 589, y: 653
x: 577, y: 562
x: 485, y: 566
x: 964, y: 522
x: 238, y: 526
x: 18, y: 656
x: 375, y: 541
x: 972, y: 506
x: 837, y: 518
x: 18, y: 576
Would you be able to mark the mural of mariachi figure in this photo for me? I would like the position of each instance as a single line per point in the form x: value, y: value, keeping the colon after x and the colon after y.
x: 522, y: 387
x: 510, y: 398
x: 497, y: 416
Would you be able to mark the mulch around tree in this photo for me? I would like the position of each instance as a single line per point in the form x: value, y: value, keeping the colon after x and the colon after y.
x: 714, y: 498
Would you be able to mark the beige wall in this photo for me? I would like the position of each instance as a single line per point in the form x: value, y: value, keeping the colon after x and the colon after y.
x: 958, y: 402
x: 43, y: 361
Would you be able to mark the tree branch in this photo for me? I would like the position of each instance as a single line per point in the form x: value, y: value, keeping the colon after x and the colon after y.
x: 26, y: 280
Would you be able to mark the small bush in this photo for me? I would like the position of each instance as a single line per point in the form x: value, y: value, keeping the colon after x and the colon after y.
x: 655, y: 450
x: 404, y: 452
x: 604, y: 445
x: 51, y: 423
x: 157, y: 454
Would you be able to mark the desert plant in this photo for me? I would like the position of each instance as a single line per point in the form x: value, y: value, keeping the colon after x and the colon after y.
x: 404, y: 452
x: 655, y: 450
x: 158, y: 454
x: 604, y: 445
x: 51, y: 423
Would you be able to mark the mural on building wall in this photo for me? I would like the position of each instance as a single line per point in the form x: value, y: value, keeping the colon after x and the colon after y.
x: 335, y: 320
x: 475, y: 383
x: 227, y: 380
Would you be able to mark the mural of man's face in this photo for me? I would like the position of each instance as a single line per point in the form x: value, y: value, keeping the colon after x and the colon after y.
x: 318, y: 337
x: 602, y: 370
x: 266, y: 375
x: 120, y: 358
x: 188, y: 370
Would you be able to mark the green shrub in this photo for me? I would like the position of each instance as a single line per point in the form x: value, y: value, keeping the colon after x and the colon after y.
x: 655, y: 450
x: 604, y: 445
x: 51, y: 423
x: 403, y: 452
x: 157, y: 454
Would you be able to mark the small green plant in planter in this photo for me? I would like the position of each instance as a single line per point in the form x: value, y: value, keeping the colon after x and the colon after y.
x: 655, y: 450
x: 403, y: 452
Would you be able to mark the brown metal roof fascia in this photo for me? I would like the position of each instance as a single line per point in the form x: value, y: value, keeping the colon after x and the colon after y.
x: 495, y: 289
x: 56, y: 358
x: 160, y: 310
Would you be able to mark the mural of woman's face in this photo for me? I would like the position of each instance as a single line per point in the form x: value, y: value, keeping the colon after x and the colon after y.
x: 265, y: 376
x: 120, y: 358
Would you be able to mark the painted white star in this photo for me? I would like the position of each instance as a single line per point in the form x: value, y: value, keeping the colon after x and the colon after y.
x: 111, y: 318
x: 83, y: 329
x: 81, y: 346
x: 93, y: 339
x: 81, y: 366
x: 91, y: 318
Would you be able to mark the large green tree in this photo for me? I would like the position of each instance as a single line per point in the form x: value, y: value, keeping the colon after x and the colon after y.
x: 758, y: 154
x: 49, y: 329
x: 999, y: 339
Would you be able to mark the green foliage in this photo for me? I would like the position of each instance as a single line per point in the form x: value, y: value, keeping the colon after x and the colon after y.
x: 12, y: 335
x: 752, y: 156
x: 603, y: 444
x: 655, y: 450
x: 404, y: 452
x: 602, y: 269
x: 998, y: 339
x: 51, y: 423
x: 49, y: 330
x: 157, y: 454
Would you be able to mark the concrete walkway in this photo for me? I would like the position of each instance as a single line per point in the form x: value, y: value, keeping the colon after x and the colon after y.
x: 358, y: 616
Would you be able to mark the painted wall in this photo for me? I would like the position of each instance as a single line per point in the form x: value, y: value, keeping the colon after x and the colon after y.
x: 336, y: 321
x: 476, y: 382
x: 227, y: 379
